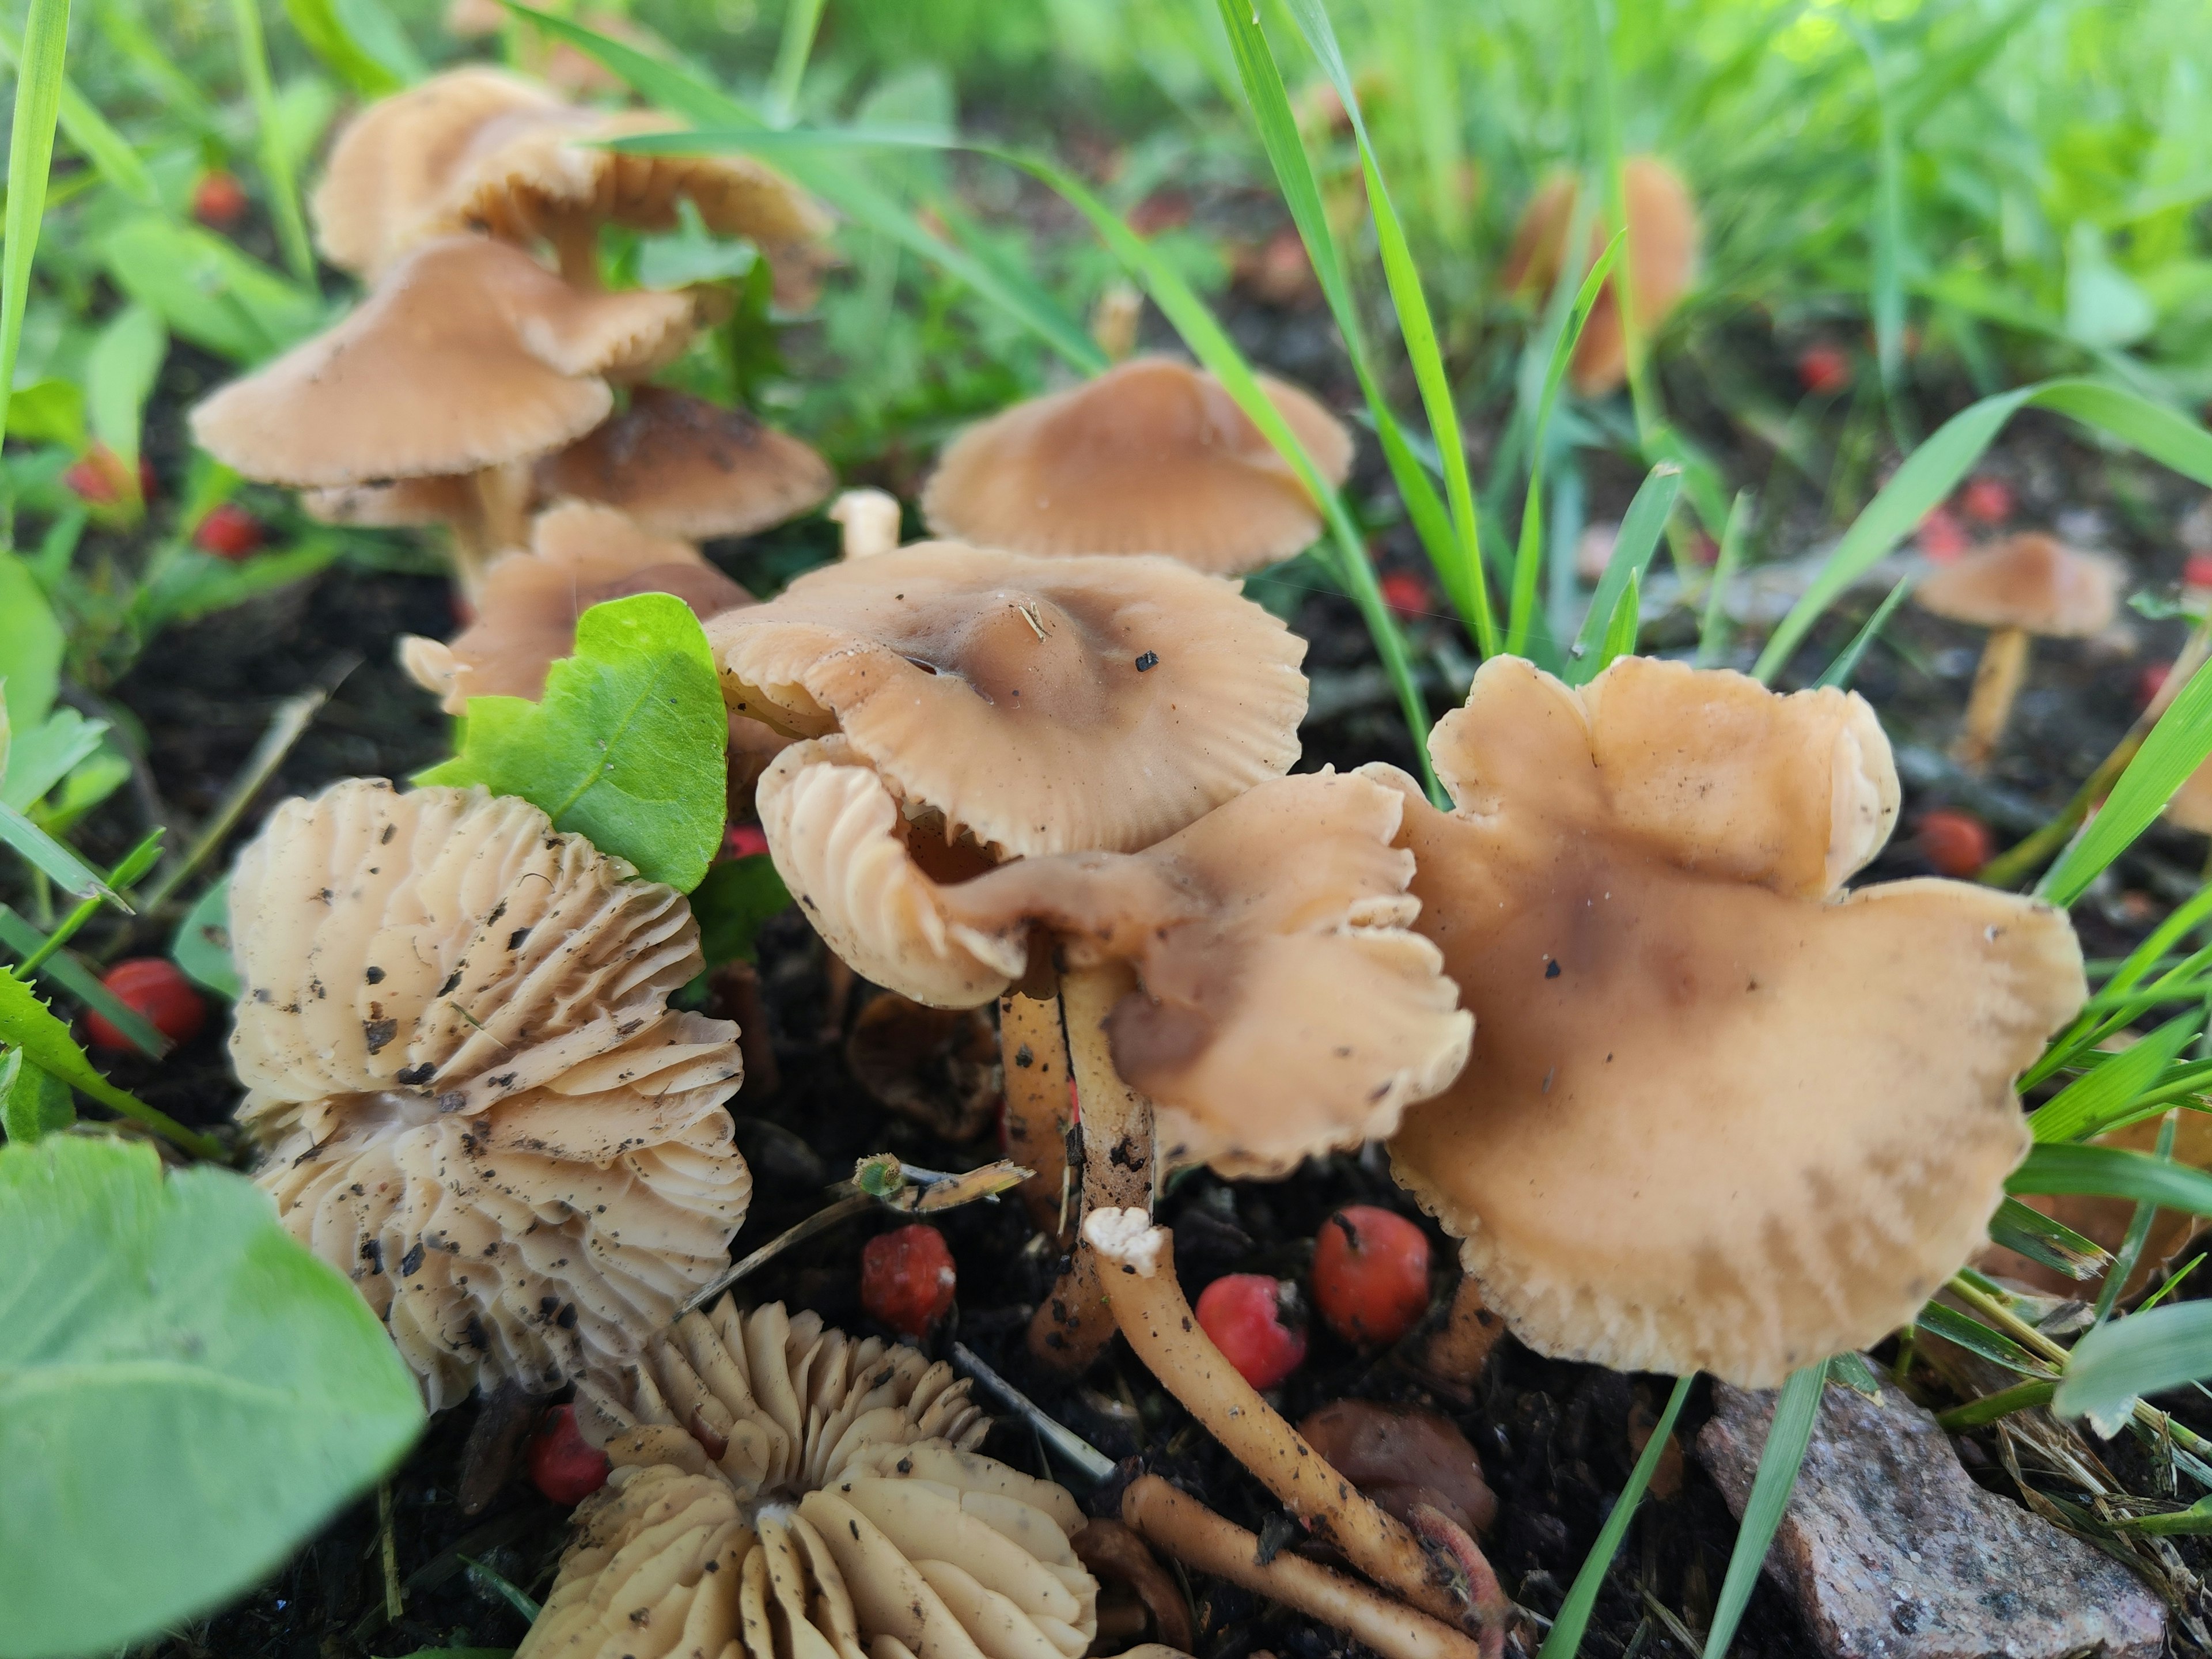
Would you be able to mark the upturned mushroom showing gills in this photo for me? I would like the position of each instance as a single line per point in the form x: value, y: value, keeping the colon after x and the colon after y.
x: 1150, y: 457
x: 1720, y: 1115
x: 472, y: 1097
x: 2019, y: 587
x: 784, y: 1492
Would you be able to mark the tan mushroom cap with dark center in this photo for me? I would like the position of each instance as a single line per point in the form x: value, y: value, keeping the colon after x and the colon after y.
x: 1150, y: 457
x: 682, y: 466
x: 393, y: 163
x: 2031, y: 581
x: 1041, y: 705
x: 1718, y: 1116
x: 467, y: 356
x: 580, y: 556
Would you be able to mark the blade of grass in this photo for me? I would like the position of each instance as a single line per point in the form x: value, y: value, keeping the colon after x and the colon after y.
x: 2176, y: 747
x: 1565, y: 1638
x: 108, y: 150
x: 2090, y: 1104
x: 1632, y: 549
x: 1620, y: 633
x: 801, y: 18
x: 2146, y: 957
x: 2021, y: 1396
x: 1977, y: 1338
x: 1839, y: 673
x: 322, y: 27
x: 275, y: 160
x: 2115, y: 1365
x: 2112, y: 1172
x: 1714, y: 626
x: 80, y: 982
x: 2172, y: 1282
x: 1796, y: 1411
x: 2138, y: 1233
x: 2034, y: 1234
x: 61, y: 865
x: 30, y: 158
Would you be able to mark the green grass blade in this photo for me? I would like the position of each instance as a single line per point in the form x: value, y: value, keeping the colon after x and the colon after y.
x: 30, y: 158
x: 1976, y: 1337
x: 2091, y: 1104
x: 74, y: 875
x: 2120, y: 1362
x: 1641, y: 527
x: 1713, y: 626
x: 319, y: 24
x: 1796, y: 1411
x: 1839, y: 673
x: 80, y: 982
x: 2112, y: 1172
x: 2031, y: 1233
x: 2138, y: 1233
x: 1621, y: 631
x: 1566, y: 1638
x: 88, y: 130
x: 801, y: 18
x: 2176, y: 747
x: 275, y: 160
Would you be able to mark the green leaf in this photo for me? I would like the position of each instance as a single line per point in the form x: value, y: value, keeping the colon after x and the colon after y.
x: 31, y: 646
x: 2176, y: 747
x: 2095, y: 1101
x: 2113, y: 1172
x: 76, y: 877
x: 49, y: 411
x: 28, y: 1024
x: 324, y: 26
x: 1632, y: 549
x: 119, y: 374
x: 1796, y: 1411
x: 1566, y: 1633
x: 206, y: 290
x: 627, y: 747
x: 202, y: 944
x: 2031, y: 1233
x: 31, y: 1102
x: 2124, y: 1359
x: 186, y: 1394
x: 186, y: 584
x: 737, y: 896
x: 30, y: 159
x: 41, y: 757
x: 1852, y: 1370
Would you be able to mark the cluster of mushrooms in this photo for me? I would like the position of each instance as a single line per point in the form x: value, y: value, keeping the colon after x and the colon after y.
x: 1686, y: 1102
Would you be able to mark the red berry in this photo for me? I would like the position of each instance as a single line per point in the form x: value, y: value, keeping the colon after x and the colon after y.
x: 218, y: 200
x: 1406, y: 594
x: 1954, y: 843
x: 1987, y: 501
x: 1943, y: 537
x: 563, y: 1465
x: 156, y: 990
x: 907, y: 1279
x: 229, y: 532
x: 743, y: 840
x: 1371, y: 1274
x: 2151, y: 681
x: 2198, y: 571
x: 1243, y: 1315
x: 100, y: 478
x: 1824, y: 368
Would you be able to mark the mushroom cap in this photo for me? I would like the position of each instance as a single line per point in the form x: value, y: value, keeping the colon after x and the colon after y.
x: 682, y: 466
x: 2191, y: 808
x: 2030, y: 581
x: 474, y: 1101
x: 580, y: 556
x: 394, y: 163
x: 396, y: 504
x: 1041, y: 705
x: 1150, y: 457
x: 1718, y: 1117
x: 467, y: 355
x: 874, y: 1530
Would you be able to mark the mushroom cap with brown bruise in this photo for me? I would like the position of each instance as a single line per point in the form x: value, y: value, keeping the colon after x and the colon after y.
x: 682, y: 466
x: 1039, y: 705
x: 2030, y: 581
x: 394, y: 163
x: 580, y: 556
x: 1718, y: 1116
x: 814, y: 1497
x: 454, y: 1033
x: 1150, y: 457
x: 467, y: 355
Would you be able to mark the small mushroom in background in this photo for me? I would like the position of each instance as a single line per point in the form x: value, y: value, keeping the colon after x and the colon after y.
x: 868, y: 522
x: 1404, y: 1458
x: 939, y: 1066
x: 782, y: 1489
x: 472, y: 1097
x: 1150, y: 457
x: 1719, y: 1116
x: 466, y: 359
x: 1661, y: 256
x: 2025, y: 585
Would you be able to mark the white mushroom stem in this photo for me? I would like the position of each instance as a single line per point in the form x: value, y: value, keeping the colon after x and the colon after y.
x: 1139, y: 1271
x: 1989, y: 706
x: 1194, y: 1535
x: 870, y: 522
x: 1073, y: 1323
x: 1033, y: 1054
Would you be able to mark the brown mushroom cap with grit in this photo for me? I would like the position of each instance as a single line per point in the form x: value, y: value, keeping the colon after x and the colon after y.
x: 473, y: 1099
x: 682, y: 466
x: 1040, y: 706
x: 784, y: 1492
x: 1150, y: 457
x: 1719, y: 1116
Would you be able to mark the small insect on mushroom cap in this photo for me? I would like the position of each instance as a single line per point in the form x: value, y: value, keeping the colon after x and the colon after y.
x: 1150, y: 457
x: 2030, y: 581
x: 1719, y: 1115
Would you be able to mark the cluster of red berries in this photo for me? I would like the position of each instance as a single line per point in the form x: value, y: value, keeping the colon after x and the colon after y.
x: 1371, y: 1283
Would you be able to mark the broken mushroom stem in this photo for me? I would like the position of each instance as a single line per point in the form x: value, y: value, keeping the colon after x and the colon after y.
x: 1073, y: 1323
x: 1033, y: 1055
x: 1194, y: 1535
x: 1998, y: 680
x: 1137, y: 1260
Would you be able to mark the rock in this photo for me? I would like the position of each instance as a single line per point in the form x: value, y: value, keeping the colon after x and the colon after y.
x: 1892, y: 1550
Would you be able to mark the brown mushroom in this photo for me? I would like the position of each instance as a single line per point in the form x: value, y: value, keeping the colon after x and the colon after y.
x: 2191, y: 808
x: 939, y: 1066
x: 867, y: 1525
x: 468, y: 357
x: 682, y: 466
x: 471, y: 1096
x: 2024, y: 585
x: 1150, y: 457
x: 1719, y: 1116
x: 1661, y: 256
x: 1404, y: 1458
